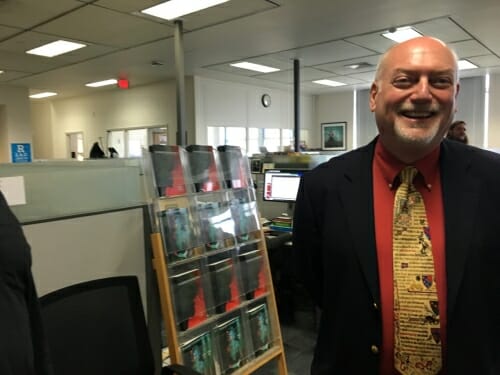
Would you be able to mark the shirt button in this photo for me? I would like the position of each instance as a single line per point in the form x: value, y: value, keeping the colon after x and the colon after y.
x: 374, y: 349
x: 375, y: 306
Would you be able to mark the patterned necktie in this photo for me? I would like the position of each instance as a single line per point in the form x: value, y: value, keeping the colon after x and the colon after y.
x: 417, y: 344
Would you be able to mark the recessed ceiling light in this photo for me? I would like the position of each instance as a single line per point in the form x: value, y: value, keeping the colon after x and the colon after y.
x: 254, y: 67
x: 55, y: 48
x: 106, y: 82
x: 402, y: 34
x: 42, y: 95
x: 172, y: 9
x: 329, y: 82
x: 358, y: 65
x: 466, y: 64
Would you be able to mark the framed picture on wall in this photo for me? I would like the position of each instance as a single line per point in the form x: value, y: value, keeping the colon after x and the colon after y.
x: 333, y: 135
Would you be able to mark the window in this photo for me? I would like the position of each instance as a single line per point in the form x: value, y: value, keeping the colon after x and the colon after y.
x: 250, y: 139
x: 130, y: 142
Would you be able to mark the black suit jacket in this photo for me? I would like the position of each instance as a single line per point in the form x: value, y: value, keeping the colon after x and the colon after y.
x: 334, y: 237
x: 23, y: 350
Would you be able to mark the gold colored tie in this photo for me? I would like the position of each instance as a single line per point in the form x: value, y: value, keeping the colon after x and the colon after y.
x: 417, y: 343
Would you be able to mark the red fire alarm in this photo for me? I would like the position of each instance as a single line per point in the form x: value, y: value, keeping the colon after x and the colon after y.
x: 123, y: 83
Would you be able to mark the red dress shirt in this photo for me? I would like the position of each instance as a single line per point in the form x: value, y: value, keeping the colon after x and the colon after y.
x: 385, y: 170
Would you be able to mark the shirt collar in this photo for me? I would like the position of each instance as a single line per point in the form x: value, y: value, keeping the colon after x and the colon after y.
x: 390, y: 167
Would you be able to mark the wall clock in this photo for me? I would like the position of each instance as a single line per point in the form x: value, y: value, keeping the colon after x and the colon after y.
x: 266, y: 100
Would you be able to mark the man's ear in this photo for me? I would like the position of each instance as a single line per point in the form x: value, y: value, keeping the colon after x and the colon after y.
x: 373, y: 94
x: 456, y: 95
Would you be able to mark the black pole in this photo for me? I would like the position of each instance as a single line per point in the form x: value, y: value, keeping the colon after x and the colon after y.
x: 296, y: 106
x: 181, y: 137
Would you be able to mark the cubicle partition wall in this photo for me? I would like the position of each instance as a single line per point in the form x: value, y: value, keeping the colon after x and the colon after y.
x: 85, y: 220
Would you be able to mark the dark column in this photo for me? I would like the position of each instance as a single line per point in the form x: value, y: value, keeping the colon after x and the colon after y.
x: 296, y: 105
x: 179, y: 68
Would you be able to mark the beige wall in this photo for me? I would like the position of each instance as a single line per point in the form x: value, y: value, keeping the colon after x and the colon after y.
x: 494, y: 114
x: 144, y: 106
x: 230, y: 104
x: 333, y: 108
x: 15, y: 124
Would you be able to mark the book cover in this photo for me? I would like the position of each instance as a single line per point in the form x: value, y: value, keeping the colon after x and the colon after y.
x: 251, y: 266
x: 168, y: 171
x: 189, y: 299
x: 178, y: 233
x: 230, y: 341
x: 260, y: 328
x: 198, y: 354
x: 224, y: 285
x: 203, y: 168
x: 211, y: 222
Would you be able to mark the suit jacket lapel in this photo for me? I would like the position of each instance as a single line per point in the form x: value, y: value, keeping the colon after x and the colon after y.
x: 460, y: 198
x: 357, y: 196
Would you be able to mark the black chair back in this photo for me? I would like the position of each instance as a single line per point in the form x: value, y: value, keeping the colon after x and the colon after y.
x: 98, y: 327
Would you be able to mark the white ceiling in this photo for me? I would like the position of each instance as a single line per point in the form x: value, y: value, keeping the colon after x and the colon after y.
x: 324, y: 35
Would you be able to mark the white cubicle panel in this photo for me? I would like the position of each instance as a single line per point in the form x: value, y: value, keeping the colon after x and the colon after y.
x: 68, y: 251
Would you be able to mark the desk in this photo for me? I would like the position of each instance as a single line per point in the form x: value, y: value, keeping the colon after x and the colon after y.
x: 281, y: 259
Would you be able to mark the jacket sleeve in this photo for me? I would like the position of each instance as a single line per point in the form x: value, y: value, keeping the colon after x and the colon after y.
x: 307, y: 243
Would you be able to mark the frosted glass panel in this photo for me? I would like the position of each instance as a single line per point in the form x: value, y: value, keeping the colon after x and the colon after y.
x: 65, y: 188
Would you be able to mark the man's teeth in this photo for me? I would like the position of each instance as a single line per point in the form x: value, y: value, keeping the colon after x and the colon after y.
x: 418, y: 114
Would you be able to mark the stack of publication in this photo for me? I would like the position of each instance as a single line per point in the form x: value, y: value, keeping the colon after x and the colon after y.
x: 282, y: 224
x: 204, y: 207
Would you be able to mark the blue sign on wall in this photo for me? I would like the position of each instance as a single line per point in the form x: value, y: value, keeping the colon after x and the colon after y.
x: 21, y: 152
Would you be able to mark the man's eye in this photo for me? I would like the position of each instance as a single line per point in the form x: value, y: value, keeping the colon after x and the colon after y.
x: 402, y: 82
x: 442, y: 82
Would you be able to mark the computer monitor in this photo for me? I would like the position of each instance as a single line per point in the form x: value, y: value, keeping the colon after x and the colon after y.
x: 281, y: 185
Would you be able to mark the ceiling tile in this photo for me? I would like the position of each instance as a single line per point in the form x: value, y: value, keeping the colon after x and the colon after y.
x: 366, y: 76
x: 97, y: 25
x: 326, y: 52
x: 6, y: 31
x: 28, y: 13
x: 127, y: 6
x: 485, y: 61
x: 469, y: 48
x: 306, y: 74
x: 444, y: 29
x: 374, y: 41
x: 225, y: 12
x: 342, y: 68
x: 7, y: 75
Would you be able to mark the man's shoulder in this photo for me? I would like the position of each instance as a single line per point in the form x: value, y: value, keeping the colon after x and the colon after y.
x: 344, y: 162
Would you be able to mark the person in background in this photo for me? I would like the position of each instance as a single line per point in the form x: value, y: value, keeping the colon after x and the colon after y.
x: 457, y: 132
x: 347, y: 249
x: 23, y: 350
x: 96, y: 152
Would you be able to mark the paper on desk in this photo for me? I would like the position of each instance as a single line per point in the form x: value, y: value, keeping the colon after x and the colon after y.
x: 13, y: 190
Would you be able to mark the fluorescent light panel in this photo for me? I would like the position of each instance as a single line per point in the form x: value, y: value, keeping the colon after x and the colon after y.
x: 402, y: 34
x: 466, y: 64
x: 56, y: 48
x: 172, y: 9
x: 254, y: 67
x: 106, y: 82
x: 42, y: 95
x: 329, y: 82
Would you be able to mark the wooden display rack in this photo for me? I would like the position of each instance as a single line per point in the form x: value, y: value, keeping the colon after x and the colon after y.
x: 247, y: 309
x: 160, y: 266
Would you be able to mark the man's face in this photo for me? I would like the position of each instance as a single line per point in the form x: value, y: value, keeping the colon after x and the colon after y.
x: 414, y: 94
x: 458, y: 132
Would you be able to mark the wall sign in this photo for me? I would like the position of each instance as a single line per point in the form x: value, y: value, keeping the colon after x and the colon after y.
x: 20, y: 152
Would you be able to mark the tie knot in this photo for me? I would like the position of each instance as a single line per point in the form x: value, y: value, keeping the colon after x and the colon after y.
x: 408, y: 174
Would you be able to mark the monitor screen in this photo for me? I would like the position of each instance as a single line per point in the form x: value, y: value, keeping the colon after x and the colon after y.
x: 281, y: 185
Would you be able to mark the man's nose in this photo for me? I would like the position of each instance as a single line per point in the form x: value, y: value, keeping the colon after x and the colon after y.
x: 422, y: 90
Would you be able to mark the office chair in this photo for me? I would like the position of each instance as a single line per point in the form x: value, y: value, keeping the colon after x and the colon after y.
x: 98, y: 327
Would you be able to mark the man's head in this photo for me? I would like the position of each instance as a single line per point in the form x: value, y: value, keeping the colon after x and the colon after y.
x: 414, y: 96
x: 457, y: 132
